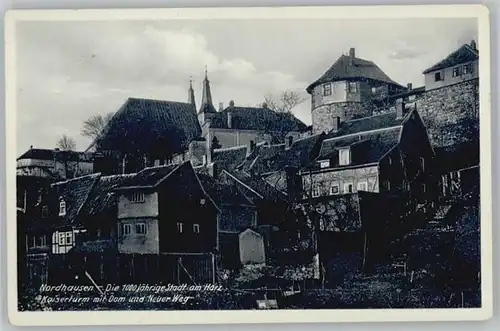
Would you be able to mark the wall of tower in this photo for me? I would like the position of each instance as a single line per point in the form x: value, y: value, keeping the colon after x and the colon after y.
x: 323, y: 117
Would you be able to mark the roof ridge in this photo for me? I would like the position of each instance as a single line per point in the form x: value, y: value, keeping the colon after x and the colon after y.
x: 96, y: 174
x: 225, y: 149
x: 394, y: 127
x: 157, y: 100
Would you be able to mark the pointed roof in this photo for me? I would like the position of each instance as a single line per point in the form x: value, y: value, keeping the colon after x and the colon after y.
x: 191, y: 99
x: 466, y: 53
x: 206, y: 99
x: 351, y: 67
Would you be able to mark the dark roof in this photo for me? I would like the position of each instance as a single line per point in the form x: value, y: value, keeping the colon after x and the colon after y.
x: 151, y: 126
x: 456, y: 157
x: 255, y: 187
x: 53, y: 154
x: 375, y: 122
x: 95, y: 246
x: 222, y: 193
x: 101, y: 198
x: 462, y: 55
x: 75, y: 193
x: 347, y: 67
x: 148, y: 177
x: 366, y: 148
x: 229, y: 158
x: 277, y: 157
x: 260, y: 119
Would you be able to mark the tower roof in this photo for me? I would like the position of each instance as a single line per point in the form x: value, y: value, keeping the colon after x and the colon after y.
x: 352, y: 67
x: 206, y: 99
x: 191, y: 99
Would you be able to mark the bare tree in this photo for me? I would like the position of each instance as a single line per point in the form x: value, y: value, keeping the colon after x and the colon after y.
x: 66, y: 143
x: 94, y: 126
x: 284, y: 102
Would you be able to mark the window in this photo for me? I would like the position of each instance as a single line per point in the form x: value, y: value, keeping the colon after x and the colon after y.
x: 348, y: 188
x: 196, y: 228
x: 45, y: 211
x: 467, y: 69
x: 43, y: 240
x: 157, y: 163
x: 140, y: 228
x: 69, y: 238
x: 334, y: 189
x: 126, y: 229
x: 137, y: 197
x: 62, y: 238
x: 422, y: 164
x: 316, y: 192
x: 62, y: 207
x: 362, y: 186
x: 180, y: 227
x: 438, y: 76
x: 327, y: 89
x: 324, y: 164
x: 457, y: 71
x: 344, y: 156
x: 353, y: 87
x: 387, y: 185
x: 389, y: 159
x: 424, y: 188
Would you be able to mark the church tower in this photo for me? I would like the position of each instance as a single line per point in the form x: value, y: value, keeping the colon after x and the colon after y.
x: 206, y: 107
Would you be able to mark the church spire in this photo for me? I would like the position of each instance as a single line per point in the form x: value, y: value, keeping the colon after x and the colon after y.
x: 191, y: 99
x: 206, y: 99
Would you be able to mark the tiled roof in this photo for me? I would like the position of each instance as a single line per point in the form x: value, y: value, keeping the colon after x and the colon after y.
x: 229, y: 158
x: 101, y: 197
x: 255, y: 187
x: 261, y: 119
x: 456, y: 157
x: 52, y: 154
x: 347, y: 67
x: 95, y: 246
x: 381, y: 121
x: 276, y: 157
x: 367, y: 147
x: 75, y: 193
x: 222, y: 193
x: 462, y: 55
x: 154, y: 126
x: 149, y: 177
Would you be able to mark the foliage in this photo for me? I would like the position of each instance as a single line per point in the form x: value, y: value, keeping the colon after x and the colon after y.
x: 66, y: 143
x: 94, y: 126
x: 284, y: 102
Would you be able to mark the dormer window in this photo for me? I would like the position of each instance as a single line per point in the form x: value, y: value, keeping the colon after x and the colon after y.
x: 344, y: 156
x: 324, y: 164
x: 45, y: 211
x: 327, y: 89
x: 62, y: 207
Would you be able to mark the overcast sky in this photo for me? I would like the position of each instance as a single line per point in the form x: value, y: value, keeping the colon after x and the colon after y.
x: 69, y: 71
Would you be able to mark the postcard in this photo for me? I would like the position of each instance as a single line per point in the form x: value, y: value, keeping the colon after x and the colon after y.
x: 248, y: 165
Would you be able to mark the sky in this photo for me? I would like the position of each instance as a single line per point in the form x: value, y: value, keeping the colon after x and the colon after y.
x: 69, y: 71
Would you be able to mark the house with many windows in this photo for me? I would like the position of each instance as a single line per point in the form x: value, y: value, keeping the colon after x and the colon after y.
x: 386, y: 153
x: 165, y: 209
x: 459, y: 66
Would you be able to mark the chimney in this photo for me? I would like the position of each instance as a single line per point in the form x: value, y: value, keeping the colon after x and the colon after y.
x: 288, y: 142
x: 409, y: 86
x: 400, y: 108
x: 231, y: 103
x: 473, y: 44
x: 212, y: 170
x: 264, y: 105
x: 336, y: 123
x: 221, y: 106
x: 250, y: 147
x: 229, y: 120
x: 352, y: 52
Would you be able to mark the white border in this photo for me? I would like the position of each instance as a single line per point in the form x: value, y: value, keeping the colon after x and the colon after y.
x: 241, y: 316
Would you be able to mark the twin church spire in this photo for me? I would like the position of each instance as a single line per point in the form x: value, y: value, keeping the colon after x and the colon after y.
x: 206, y: 98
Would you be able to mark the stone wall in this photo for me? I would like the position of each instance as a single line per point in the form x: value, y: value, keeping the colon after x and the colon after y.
x: 451, y: 113
x: 323, y: 116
